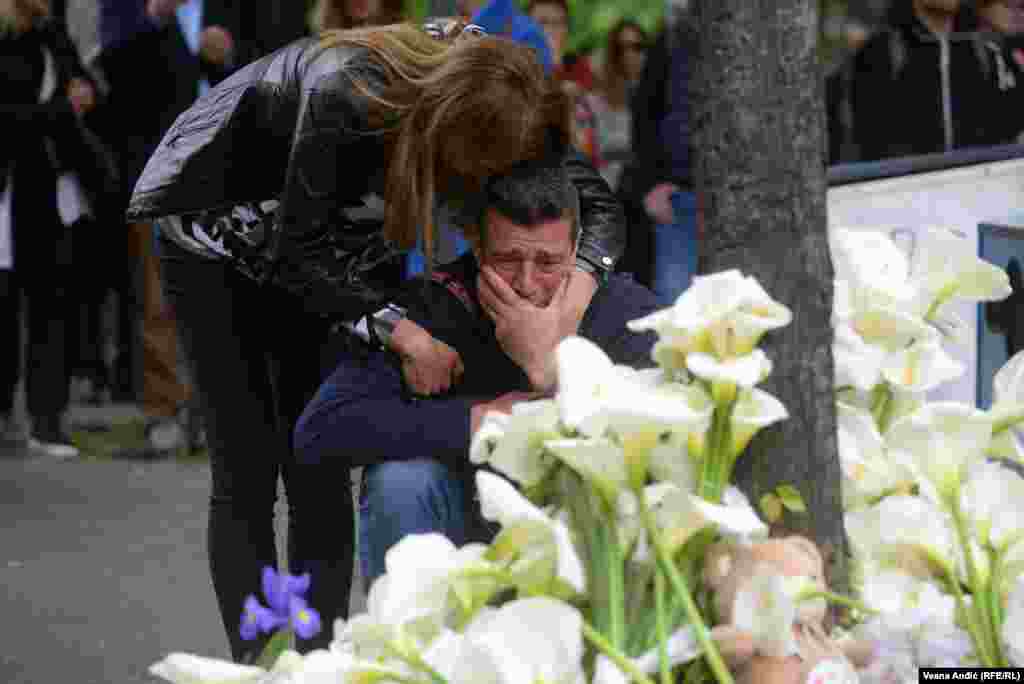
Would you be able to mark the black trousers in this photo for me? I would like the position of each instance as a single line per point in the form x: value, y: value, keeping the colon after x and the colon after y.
x: 256, y: 362
x: 42, y: 273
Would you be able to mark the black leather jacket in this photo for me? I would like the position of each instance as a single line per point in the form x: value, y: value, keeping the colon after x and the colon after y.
x: 294, y: 120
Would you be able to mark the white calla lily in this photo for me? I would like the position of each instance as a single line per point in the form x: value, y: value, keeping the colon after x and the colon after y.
x: 679, y: 514
x: 891, y: 329
x: 993, y: 500
x: 1008, y: 382
x: 671, y: 459
x: 857, y: 363
x: 921, y: 367
x: 586, y: 378
x: 1013, y: 626
x: 943, y: 440
x: 514, y: 443
x: 185, y: 668
x: 595, y: 396
x: 906, y: 602
x: 744, y: 371
x: 723, y: 313
x: 322, y: 667
x: 872, y: 263
x: 601, y: 461
x: 868, y: 470
x: 538, y: 537
x: 754, y: 410
x: 412, y: 600
x: 945, y: 265
x: 527, y: 640
x: 1007, y: 410
x: 908, y: 532
x: 764, y: 607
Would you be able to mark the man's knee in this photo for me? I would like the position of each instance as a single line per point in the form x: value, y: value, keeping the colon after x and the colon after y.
x: 405, y: 483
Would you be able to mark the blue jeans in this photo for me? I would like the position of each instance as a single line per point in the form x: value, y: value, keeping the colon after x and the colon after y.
x: 399, y: 498
x: 675, y: 249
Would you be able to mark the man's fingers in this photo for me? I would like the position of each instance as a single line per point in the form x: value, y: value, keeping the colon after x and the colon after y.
x: 505, y: 294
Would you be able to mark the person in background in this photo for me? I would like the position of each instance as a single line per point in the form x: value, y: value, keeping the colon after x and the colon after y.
x: 503, y: 18
x: 658, y: 185
x: 328, y: 15
x: 624, y: 62
x: 999, y: 22
x: 572, y: 71
x: 46, y: 92
x: 853, y: 34
x: 157, y: 57
x: 919, y: 85
x: 555, y: 20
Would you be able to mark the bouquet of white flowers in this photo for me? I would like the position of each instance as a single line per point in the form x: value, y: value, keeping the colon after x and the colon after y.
x: 625, y: 555
x: 934, y: 517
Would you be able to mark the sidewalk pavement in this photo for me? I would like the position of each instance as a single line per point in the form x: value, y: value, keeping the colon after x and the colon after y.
x: 104, y: 564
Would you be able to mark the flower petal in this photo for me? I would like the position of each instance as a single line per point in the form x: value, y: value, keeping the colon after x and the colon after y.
x: 185, y: 668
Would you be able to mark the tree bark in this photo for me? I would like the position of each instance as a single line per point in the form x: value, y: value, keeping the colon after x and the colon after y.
x: 759, y: 146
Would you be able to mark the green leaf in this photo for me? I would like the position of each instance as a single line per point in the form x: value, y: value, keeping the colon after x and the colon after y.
x: 278, y: 644
x: 771, y: 508
x: 791, y: 499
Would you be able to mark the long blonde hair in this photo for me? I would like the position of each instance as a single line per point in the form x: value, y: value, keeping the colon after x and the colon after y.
x: 18, y: 16
x: 452, y: 112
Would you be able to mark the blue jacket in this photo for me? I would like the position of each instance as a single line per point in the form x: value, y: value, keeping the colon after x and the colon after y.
x: 503, y: 18
x: 362, y: 413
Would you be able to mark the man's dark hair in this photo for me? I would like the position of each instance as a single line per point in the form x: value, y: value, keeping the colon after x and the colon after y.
x: 533, y: 192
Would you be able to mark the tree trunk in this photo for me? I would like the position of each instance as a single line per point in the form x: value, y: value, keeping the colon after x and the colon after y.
x: 759, y: 141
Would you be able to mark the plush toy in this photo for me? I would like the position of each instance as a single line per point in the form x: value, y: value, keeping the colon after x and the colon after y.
x: 820, y: 660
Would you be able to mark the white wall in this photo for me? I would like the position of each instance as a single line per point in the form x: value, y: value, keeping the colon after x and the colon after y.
x: 959, y: 198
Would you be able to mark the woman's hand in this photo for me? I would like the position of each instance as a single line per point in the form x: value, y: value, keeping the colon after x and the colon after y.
x: 429, y: 365
x: 82, y: 96
x: 658, y: 203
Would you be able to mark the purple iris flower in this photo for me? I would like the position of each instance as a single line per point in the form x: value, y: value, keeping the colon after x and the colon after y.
x: 285, y: 607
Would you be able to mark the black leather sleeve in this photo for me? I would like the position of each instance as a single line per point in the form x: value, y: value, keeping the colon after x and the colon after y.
x: 602, y: 219
x: 315, y: 251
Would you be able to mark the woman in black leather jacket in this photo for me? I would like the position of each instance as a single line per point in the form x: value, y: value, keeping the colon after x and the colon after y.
x: 329, y: 128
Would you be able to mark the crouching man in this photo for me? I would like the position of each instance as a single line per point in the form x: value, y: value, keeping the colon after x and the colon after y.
x: 501, y: 307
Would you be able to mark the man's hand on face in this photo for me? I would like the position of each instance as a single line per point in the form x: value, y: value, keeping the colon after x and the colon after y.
x: 526, y: 332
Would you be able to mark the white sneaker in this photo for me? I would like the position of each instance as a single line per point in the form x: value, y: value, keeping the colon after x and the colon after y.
x: 54, y: 449
x: 166, y: 435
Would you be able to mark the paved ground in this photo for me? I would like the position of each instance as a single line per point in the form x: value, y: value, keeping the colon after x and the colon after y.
x: 103, y: 565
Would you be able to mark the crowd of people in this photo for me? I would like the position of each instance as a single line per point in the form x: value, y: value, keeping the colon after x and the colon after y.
x: 265, y: 189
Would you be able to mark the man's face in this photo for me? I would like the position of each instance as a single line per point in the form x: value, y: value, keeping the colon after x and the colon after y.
x: 531, y: 260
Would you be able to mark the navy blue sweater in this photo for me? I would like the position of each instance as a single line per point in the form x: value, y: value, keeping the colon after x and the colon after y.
x: 364, y: 414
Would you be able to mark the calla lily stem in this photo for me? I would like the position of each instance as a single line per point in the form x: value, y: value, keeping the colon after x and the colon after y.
x: 624, y: 663
x: 661, y: 628
x: 718, y: 666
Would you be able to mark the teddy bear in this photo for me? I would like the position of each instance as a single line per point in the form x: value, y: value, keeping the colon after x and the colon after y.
x: 728, y: 567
